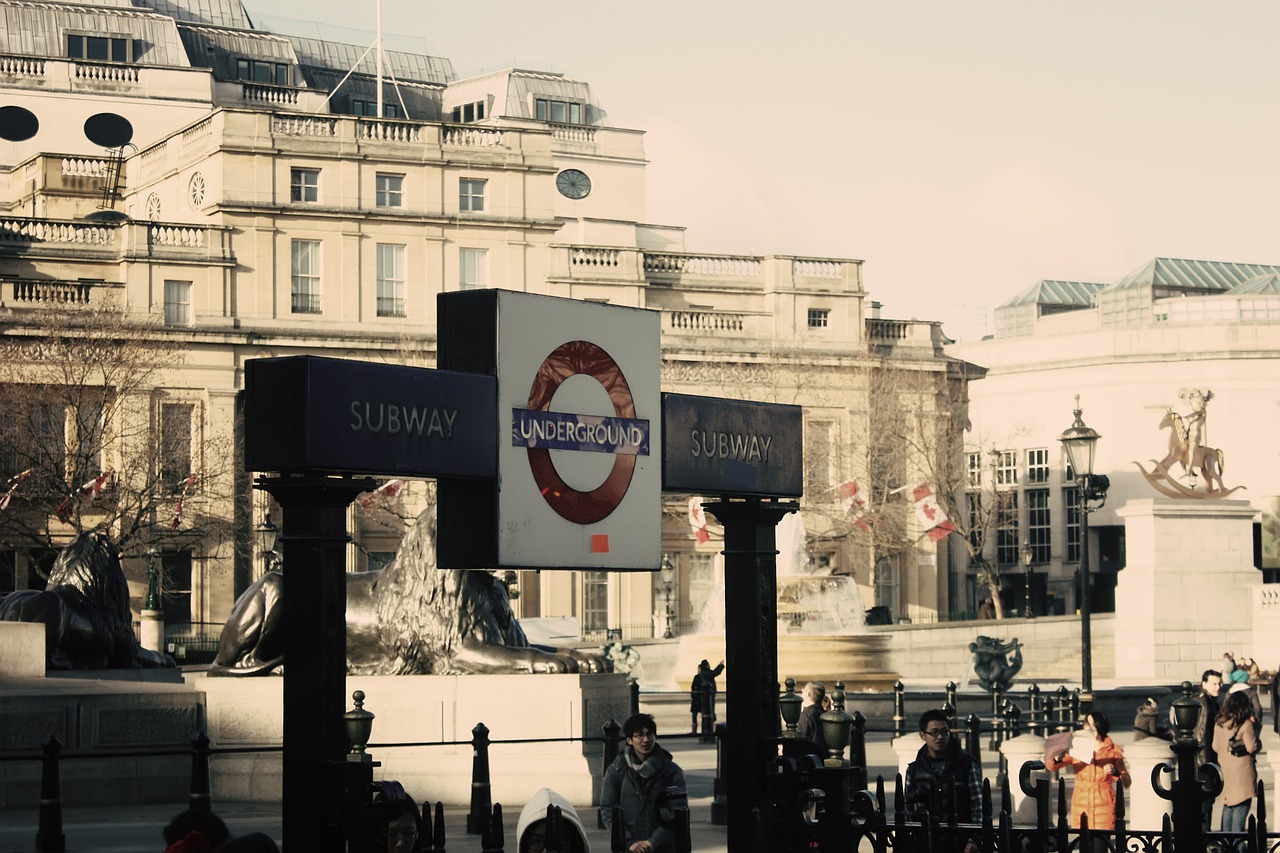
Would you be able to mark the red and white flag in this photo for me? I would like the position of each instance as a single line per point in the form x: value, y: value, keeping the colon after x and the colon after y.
x: 932, y: 519
x: 182, y: 499
x: 698, y: 520
x: 13, y: 487
x: 387, y: 491
x: 854, y: 500
x: 88, y: 490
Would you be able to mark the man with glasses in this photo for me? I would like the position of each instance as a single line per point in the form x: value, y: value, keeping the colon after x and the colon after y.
x: 635, y: 781
x: 944, y: 780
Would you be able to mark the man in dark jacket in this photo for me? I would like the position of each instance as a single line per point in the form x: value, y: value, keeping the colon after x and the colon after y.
x: 810, y: 724
x: 704, y: 683
x: 634, y: 781
x: 946, y: 774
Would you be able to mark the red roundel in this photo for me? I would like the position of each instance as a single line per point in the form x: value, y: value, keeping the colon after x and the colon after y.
x: 572, y: 359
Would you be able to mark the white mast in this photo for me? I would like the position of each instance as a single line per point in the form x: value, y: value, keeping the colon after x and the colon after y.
x: 378, y: 61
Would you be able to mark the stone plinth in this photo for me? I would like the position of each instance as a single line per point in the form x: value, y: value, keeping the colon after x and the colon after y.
x: 1186, y: 593
x: 21, y: 650
x: 430, y: 710
x: 98, y: 722
x: 1146, y: 808
x: 1017, y: 752
x: 151, y: 633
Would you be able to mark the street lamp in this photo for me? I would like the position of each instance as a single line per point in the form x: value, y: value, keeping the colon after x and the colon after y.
x: 268, y: 533
x: 1026, y: 554
x: 668, y: 570
x: 1080, y: 442
x: 153, y: 579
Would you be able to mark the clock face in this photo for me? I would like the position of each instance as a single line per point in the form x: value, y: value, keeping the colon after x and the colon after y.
x: 573, y: 184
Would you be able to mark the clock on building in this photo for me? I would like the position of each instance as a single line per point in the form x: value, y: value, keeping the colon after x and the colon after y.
x: 573, y: 184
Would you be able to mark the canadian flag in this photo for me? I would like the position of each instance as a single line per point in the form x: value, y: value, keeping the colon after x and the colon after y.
x: 932, y: 519
x: 386, y: 491
x: 89, y: 490
x: 698, y: 520
x: 182, y: 499
x: 854, y: 501
x: 13, y: 487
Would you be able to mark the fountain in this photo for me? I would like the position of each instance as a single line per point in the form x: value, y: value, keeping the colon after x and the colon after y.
x: 822, y: 632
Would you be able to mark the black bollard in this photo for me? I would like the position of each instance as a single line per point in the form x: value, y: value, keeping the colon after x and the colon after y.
x: 972, y: 738
x: 481, y: 792
x: 951, y: 694
x: 634, y: 688
x: 899, y: 710
x: 949, y: 711
x: 491, y: 840
x: 997, y: 699
x: 618, y: 833
x: 1034, y: 709
x: 611, y: 732
x: 438, y: 832
x: 858, y: 750
x: 426, y: 841
x: 708, y: 703
x: 1065, y: 720
x: 720, y: 801
x: 49, y: 837
x: 199, y: 798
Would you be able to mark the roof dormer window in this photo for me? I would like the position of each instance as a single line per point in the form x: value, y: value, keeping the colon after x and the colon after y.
x: 468, y: 112
x: 558, y: 112
x: 99, y: 48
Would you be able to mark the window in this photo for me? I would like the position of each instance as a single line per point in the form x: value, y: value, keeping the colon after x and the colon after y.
x: 175, y: 587
x: 362, y: 107
x: 1071, y: 501
x: 595, y: 602
x: 1006, y: 465
x: 818, y: 447
x: 305, y: 294
x: 49, y: 435
x: 390, y: 280
x: 257, y: 71
x: 818, y: 318
x: 886, y: 585
x: 1038, y: 465
x: 468, y: 112
x: 1007, y: 540
x: 177, y: 303
x: 973, y: 465
x: 977, y: 534
x: 389, y: 190
x: 98, y: 48
x: 1038, y: 528
x: 471, y: 194
x: 473, y: 268
x: 304, y: 185
x: 176, y: 420
x: 561, y: 112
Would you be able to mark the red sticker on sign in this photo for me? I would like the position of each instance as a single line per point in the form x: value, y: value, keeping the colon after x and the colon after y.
x: 599, y: 543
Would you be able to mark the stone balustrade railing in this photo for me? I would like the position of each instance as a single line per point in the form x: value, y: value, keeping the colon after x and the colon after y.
x: 15, y: 229
x: 20, y: 292
x: 264, y: 93
x: 388, y: 131
x: 21, y: 66
x: 573, y: 133
x: 735, y: 266
x: 592, y: 257
x: 210, y: 243
x: 193, y: 236
x: 888, y: 330
x: 85, y: 167
x: 704, y: 321
x: 804, y: 268
x: 104, y: 72
x: 470, y: 137
x: 291, y: 125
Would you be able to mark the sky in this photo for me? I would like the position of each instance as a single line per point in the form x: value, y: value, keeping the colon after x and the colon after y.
x: 963, y: 149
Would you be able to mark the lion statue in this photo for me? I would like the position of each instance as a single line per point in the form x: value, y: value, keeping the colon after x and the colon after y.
x: 410, y: 618
x: 85, y: 610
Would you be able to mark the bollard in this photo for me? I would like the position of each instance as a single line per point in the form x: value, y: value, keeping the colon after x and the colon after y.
x: 997, y: 699
x: 618, y: 832
x: 438, y: 832
x: 49, y: 837
x: 708, y: 714
x: 611, y: 732
x: 199, y: 798
x: 720, y: 801
x: 426, y: 841
x: 951, y: 694
x: 972, y: 735
x: 481, y: 792
x: 858, y: 750
x: 949, y: 711
x: 899, y: 710
x: 634, y: 687
x: 1064, y: 709
x: 838, y: 696
x: 1075, y: 706
x: 1033, y: 710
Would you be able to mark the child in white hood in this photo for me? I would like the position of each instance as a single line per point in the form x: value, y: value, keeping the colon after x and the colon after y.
x: 531, y: 828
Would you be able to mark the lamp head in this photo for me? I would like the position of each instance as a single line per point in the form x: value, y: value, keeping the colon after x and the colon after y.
x: 1080, y: 442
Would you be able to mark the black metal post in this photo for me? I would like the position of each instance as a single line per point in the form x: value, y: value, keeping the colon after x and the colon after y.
x: 899, y: 709
x: 611, y: 732
x: 720, y: 802
x: 314, y: 537
x: 199, y: 796
x: 751, y: 643
x: 1086, y: 635
x: 49, y: 837
x: 481, y: 792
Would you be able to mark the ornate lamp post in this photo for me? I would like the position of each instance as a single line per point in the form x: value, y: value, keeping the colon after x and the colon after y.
x: 268, y: 534
x: 1026, y: 554
x: 668, y: 570
x: 1080, y: 442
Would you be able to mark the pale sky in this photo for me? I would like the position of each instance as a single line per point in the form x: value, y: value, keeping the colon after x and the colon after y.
x: 963, y: 149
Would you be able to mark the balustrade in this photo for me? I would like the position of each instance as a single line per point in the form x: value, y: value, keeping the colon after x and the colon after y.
x: 102, y: 72
x: 705, y: 321
x: 388, y: 131
x: 470, y: 137
x: 595, y: 257
x: 21, y: 66
x: 266, y: 94
x: 287, y: 125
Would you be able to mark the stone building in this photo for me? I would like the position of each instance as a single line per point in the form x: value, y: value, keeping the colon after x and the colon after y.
x: 237, y: 194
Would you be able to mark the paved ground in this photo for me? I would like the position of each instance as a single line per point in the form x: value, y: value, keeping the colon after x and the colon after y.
x: 137, y: 828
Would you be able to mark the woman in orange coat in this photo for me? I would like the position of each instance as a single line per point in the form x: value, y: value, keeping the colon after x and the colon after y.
x: 1095, y: 794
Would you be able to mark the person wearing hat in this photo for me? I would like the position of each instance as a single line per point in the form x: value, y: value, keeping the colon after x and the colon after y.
x: 704, y: 682
x: 1255, y: 703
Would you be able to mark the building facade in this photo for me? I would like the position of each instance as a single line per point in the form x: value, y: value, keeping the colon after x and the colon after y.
x: 236, y: 194
x: 1198, y: 339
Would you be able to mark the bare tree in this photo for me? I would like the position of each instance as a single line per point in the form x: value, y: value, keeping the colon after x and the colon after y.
x: 87, y: 441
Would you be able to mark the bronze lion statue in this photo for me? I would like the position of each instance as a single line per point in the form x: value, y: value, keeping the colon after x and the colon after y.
x: 85, y: 610
x: 410, y: 618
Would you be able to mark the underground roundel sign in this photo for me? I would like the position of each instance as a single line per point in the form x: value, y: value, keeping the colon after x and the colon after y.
x: 621, y: 435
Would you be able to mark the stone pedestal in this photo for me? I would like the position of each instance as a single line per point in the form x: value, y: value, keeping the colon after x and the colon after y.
x: 151, y: 634
x: 21, y: 650
x: 1146, y: 809
x: 1017, y: 752
x: 437, y: 713
x: 1185, y: 595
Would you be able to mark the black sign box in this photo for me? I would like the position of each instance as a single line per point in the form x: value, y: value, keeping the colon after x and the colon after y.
x: 731, y: 447
x: 328, y: 415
